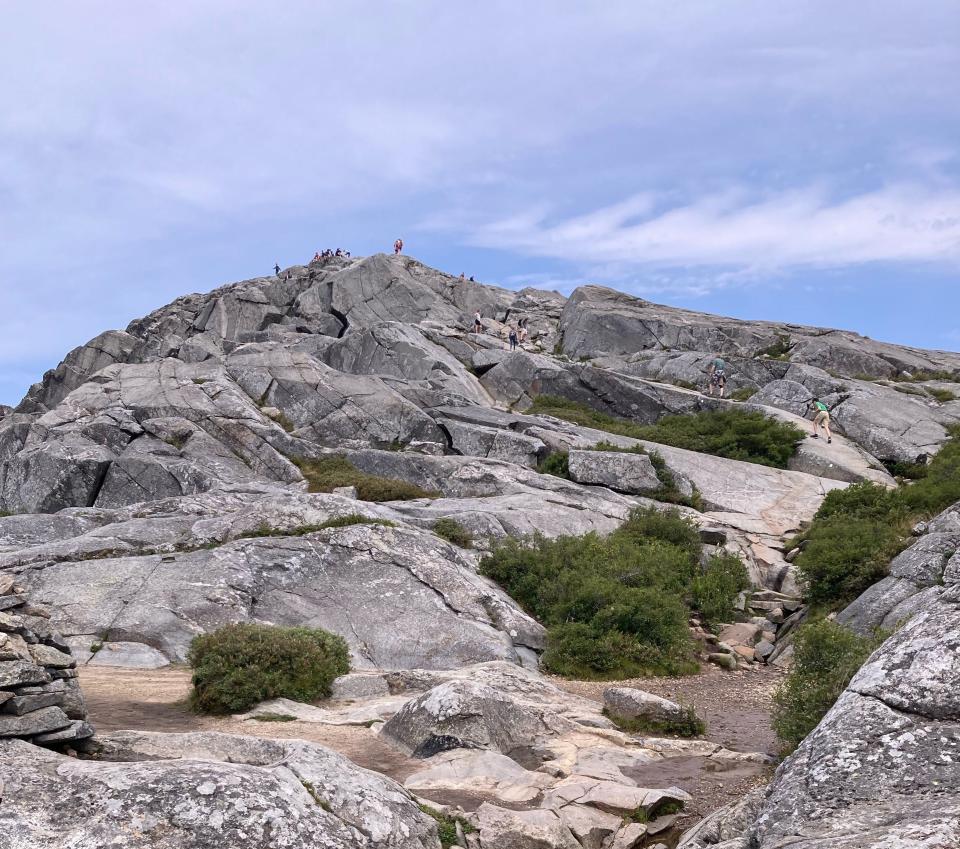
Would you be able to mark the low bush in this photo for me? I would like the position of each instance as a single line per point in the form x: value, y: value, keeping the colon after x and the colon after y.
x: 324, y: 474
x: 738, y: 434
x: 942, y: 395
x: 239, y: 665
x: 826, y: 657
x: 447, y: 826
x: 452, y: 531
x: 556, y: 464
x: 744, y: 393
x: 779, y: 350
x: 714, y: 590
x: 614, y: 606
x: 858, y: 530
x: 687, y: 725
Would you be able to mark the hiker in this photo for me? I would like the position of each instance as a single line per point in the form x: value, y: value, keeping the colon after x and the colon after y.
x: 718, y: 378
x: 477, y: 323
x: 398, y: 246
x: 471, y: 279
x: 462, y: 276
x: 339, y: 252
x: 822, y: 417
x: 316, y: 257
x: 513, y: 338
x: 276, y: 269
x: 522, y: 330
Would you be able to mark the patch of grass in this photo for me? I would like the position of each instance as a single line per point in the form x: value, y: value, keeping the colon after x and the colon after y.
x: 95, y: 647
x: 177, y: 440
x: 452, y: 531
x: 325, y: 474
x: 744, y: 393
x: 826, y: 657
x: 302, y: 530
x: 922, y: 375
x: 688, y: 725
x: 447, y: 826
x: 323, y: 803
x: 942, y: 395
x: 910, y: 390
x: 556, y: 464
x: 274, y: 717
x: 685, y: 384
x: 201, y: 380
x: 779, y: 350
x: 737, y: 434
x: 715, y: 589
x: 614, y: 606
x: 910, y: 471
x: 239, y: 665
x: 858, y: 530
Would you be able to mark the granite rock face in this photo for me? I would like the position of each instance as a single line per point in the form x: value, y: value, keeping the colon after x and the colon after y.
x: 881, y: 768
x: 202, y: 790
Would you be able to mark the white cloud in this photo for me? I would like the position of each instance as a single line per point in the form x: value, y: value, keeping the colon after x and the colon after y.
x: 735, y: 229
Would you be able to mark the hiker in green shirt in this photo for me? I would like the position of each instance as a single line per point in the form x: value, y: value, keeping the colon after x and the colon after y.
x: 718, y: 378
x: 822, y: 417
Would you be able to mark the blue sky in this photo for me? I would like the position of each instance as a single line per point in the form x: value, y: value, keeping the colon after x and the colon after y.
x: 788, y: 160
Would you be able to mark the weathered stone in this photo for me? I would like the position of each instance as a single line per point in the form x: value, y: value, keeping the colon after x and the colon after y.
x: 632, y: 473
x: 35, y: 722
x: 76, y: 730
x: 630, y: 703
x: 200, y: 790
x: 16, y: 672
x: 501, y: 828
x: 50, y: 657
x: 723, y: 660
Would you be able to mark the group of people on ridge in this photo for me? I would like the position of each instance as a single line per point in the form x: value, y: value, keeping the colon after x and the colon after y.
x: 516, y: 333
x: 718, y: 380
x: 329, y: 253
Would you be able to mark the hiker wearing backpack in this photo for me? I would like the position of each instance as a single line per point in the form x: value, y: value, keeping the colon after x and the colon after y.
x: 718, y: 377
x: 398, y: 246
x: 822, y: 418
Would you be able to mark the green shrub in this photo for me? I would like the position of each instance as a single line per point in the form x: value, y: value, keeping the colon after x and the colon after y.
x: 826, y: 657
x: 744, y: 393
x: 613, y: 606
x: 779, y: 350
x: 921, y: 375
x: 688, y: 725
x: 239, y: 665
x: 274, y: 717
x: 556, y: 464
x: 715, y: 590
x: 447, y: 826
x: 738, y: 434
x: 452, y: 531
x: 324, y: 474
x: 858, y: 530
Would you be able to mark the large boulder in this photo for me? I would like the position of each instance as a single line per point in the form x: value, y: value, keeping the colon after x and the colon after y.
x: 400, y: 597
x: 197, y: 791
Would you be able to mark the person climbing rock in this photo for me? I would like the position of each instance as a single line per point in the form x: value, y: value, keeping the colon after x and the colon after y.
x: 718, y: 377
x: 513, y: 338
x: 477, y: 323
x: 821, y: 419
x: 398, y: 246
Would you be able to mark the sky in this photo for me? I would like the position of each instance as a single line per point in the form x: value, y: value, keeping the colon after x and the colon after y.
x: 795, y: 160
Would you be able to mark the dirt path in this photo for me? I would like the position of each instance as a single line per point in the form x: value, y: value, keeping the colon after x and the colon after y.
x: 121, y: 699
x: 735, y: 706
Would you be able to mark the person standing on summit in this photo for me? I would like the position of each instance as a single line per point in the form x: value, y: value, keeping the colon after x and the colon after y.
x: 398, y: 246
x: 276, y: 269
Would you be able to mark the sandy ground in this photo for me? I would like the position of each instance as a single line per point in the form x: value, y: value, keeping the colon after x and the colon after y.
x: 735, y: 706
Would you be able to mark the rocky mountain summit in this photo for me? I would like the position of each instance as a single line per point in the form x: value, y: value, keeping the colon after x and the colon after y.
x: 165, y: 480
